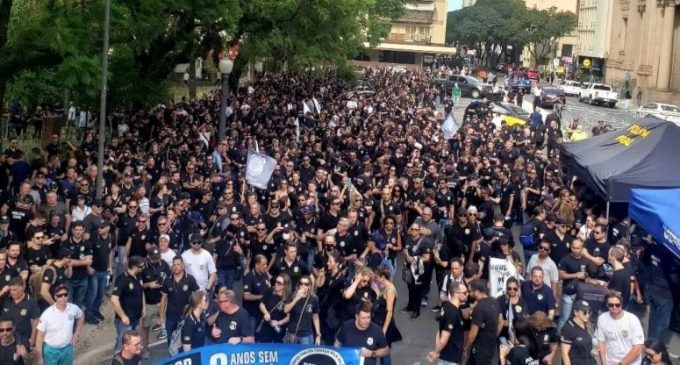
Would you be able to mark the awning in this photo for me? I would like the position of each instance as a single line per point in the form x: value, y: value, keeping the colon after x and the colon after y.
x: 419, y: 7
x: 416, y: 48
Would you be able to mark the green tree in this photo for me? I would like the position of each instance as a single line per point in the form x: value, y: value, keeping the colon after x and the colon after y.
x: 543, y: 27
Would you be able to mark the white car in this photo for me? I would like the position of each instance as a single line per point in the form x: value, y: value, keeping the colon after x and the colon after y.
x: 570, y: 87
x: 667, y: 112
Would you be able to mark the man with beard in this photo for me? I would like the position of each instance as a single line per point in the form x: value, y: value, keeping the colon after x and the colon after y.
x: 449, y: 341
x: 480, y: 344
x: 81, y: 263
x: 460, y: 236
x: 153, y: 276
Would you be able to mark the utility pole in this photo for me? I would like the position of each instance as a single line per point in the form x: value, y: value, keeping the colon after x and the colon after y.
x: 102, y: 102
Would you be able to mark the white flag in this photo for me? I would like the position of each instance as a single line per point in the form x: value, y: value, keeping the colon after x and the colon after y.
x: 297, y: 130
x: 259, y: 169
x: 449, y: 127
x: 305, y: 108
x: 317, y: 106
x: 500, y: 270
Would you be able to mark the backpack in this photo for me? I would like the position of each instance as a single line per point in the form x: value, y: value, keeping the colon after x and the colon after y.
x: 176, y: 339
x: 35, y: 281
x: 528, y: 235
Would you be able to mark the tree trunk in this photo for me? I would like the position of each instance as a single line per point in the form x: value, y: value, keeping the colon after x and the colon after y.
x: 191, y: 83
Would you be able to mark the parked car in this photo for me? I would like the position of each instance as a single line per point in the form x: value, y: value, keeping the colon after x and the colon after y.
x: 668, y: 112
x: 469, y: 86
x: 551, y: 95
x: 570, y: 87
x: 519, y: 81
x: 533, y: 75
x: 599, y: 93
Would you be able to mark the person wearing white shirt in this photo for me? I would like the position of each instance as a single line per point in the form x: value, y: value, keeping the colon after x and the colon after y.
x: 56, y: 334
x: 200, y: 264
x: 542, y: 258
x: 167, y: 254
x: 620, y: 339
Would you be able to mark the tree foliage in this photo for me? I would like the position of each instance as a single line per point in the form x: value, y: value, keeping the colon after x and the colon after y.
x: 493, y: 24
x: 61, y: 39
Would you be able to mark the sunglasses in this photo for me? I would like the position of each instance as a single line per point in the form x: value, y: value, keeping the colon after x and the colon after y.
x: 142, y: 222
x: 614, y: 305
x: 261, y: 229
x: 544, y: 248
x: 279, y: 282
x: 61, y: 295
x: 335, y: 203
x: 133, y: 206
x: 304, y: 283
x: 512, y: 288
x: 8, y: 329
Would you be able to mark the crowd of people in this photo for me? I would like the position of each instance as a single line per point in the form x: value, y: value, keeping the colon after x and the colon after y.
x: 366, y: 191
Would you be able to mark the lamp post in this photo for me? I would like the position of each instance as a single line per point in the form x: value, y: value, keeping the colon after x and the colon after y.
x: 102, y: 102
x: 226, y: 65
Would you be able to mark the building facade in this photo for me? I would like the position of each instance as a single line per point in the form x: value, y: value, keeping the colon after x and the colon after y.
x: 594, y: 29
x: 417, y: 36
x: 564, y: 46
x: 645, y: 48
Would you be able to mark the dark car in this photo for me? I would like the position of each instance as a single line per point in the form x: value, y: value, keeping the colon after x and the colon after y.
x: 469, y: 86
x: 551, y: 95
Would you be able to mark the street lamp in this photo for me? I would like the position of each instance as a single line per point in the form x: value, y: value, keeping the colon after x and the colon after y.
x: 225, y: 66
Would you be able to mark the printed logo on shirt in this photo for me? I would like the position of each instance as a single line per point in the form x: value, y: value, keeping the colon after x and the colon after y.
x: 132, y: 286
x: 232, y: 325
x: 296, y: 269
x: 185, y: 287
x: 309, y: 308
x: 624, y: 334
x: 24, y: 312
x: 369, y: 341
x: 539, y: 297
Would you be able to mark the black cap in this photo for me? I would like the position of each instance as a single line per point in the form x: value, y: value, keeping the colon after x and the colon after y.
x: 462, y: 211
x: 488, y: 233
x: 561, y: 220
x: 104, y: 223
x: 154, y: 253
x: 582, y: 305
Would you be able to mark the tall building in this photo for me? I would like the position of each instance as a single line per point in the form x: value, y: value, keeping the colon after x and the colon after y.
x: 594, y: 29
x: 645, y: 48
x: 417, y: 36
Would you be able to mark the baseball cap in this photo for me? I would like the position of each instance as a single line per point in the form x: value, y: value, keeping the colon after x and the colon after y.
x: 154, y: 253
x: 378, y: 239
x: 582, y: 305
x: 164, y: 237
x: 308, y: 209
x: 561, y: 220
x: 104, y: 223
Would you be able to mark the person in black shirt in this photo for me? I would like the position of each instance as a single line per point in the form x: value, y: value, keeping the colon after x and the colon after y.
x: 360, y: 332
x: 623, y: 277
x: 153, y: 277
x: 175, y: 294
x: 193, y: 331
x: 102, y: 264
x: 451, y: 336
x: 577, y: 343
x: 54, y: 275
x: 359, y: 291
x: 573, y: 270
x: 255, y: 284
x: 481, y: 340
x: 232, y: 324
x: 304, y: 314
x: 559, y: 240
x: 81, y: 262
x: 274, y: 319
x: 22, y: 309
x: 13, y: 348
x: 547, y: 336
x: 524, y: 350
x: 127, y: 298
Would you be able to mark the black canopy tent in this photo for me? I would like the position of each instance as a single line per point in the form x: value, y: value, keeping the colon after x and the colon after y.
x: 645, y: 154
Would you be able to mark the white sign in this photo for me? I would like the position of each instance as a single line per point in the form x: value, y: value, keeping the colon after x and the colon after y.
x: 500, y: 270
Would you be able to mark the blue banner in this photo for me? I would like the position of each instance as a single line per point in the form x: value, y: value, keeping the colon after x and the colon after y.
x: 267, y: 354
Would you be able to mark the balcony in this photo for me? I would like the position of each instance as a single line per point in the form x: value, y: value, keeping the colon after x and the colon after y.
x: 409, y: 38
x: 419, y: 17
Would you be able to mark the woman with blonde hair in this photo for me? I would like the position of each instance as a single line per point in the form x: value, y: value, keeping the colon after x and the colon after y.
x: 383, y: 314
x: 304, y: 326
x: 274, y: 319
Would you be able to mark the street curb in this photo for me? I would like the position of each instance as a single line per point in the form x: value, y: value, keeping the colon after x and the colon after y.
x: 99, y: 354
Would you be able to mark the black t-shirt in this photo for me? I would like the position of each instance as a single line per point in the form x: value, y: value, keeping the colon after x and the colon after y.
x: 485, y: 317
x: 79, y: 250
x: 193, y: 332
x: 620, y: 282
x: 451, y: 321
x: 37, y: 257
x: 363, y: 294
x: 372, y: 338
x: 295, y: 271
x: 154, y: 273
x: 227, y: 259
x: 305, y: 308
x: 571, y: 265
x: 544, y: 338
x: 233, y: 325
x: 519, y: 355
x: 274, y: 305
x: 178, y: 293
x: 21, y: 314
x: 129, y: 291
x: 581, y: 343
x: 8, y: 353
x: 254, y: 284
x: 101, y: 250
x: 139, y: 242
x: 558, y: 247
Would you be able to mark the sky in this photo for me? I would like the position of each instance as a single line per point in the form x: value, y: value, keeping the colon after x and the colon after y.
x: 455, y: 4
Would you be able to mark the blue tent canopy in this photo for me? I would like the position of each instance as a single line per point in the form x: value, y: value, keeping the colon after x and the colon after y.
x: 657, y: 211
